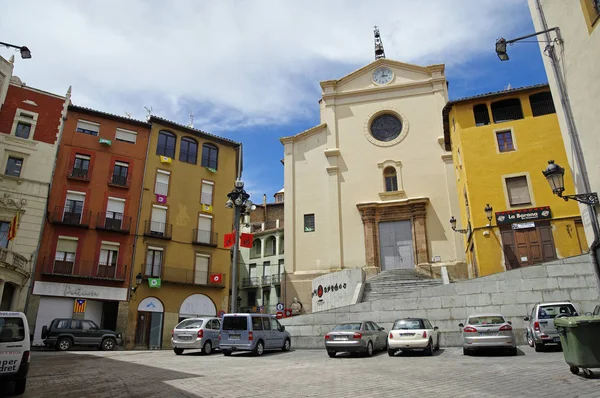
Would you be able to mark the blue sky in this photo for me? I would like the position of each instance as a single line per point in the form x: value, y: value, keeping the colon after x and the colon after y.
x: 250, y: 70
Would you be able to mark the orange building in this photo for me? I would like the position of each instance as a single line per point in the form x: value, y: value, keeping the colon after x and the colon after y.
x: 88, y: 240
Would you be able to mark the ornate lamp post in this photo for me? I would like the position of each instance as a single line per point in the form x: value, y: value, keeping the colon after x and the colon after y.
x: 25, y: 53
x: 556, y: 178
x: 488, y: 213
x: 453, y: 224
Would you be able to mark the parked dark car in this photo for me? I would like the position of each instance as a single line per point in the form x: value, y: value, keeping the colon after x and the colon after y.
x: 64, y: 333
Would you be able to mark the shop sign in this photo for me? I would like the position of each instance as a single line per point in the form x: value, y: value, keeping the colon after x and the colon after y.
x: 523, y: 225
x: 531, y: 214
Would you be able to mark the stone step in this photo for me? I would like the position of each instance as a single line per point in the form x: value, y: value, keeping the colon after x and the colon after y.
x: 396, y: 282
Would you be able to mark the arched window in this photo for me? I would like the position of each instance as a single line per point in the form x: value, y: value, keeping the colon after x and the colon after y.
x: 391, y: 181
x: 507, y: 110
x: 281, y: 244
x: 166, y: 144
x: 256, y: 248
x: 188, y: 151
x: 210, y: 156
x: 270, y: 246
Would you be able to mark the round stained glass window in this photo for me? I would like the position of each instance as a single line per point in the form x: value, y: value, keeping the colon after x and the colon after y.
x: 386, y: 127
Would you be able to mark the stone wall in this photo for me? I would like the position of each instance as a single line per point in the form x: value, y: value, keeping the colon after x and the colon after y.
x: 513, y: 293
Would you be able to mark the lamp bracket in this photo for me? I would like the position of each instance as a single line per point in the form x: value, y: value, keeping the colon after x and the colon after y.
x: 590, y: 199
x: 460, y: 231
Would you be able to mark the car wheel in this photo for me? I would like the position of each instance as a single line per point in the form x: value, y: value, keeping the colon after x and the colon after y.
x: 466, y: 352
x: 539, y: 347
x: 259, y: 349
x: 331, y: 354
x: 429, y: 349
x: 108, y: 344
x: 529, y: 339
x: 391, y: 352
x: 513, y: 351
x: 437, y: 345
x: 369, y: 349
x: 287, y: 344
x: 178, y: 351
x: 227, y: 353
x: 63, y: 344
x: 207, y: 349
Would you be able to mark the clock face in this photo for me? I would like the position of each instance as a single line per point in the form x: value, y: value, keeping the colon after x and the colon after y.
x: 383, y: 75
x: 386, y: 127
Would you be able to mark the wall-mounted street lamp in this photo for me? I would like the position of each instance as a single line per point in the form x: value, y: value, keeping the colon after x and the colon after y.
x: 453, y: 224
x: 556, y: 178
x: 488, y: 213
x: 502, y: 42
x: 138, y: 281
x: 25, y: 53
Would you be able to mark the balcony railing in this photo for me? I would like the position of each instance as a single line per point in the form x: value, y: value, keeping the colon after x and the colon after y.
x: 77, y: 173
x: 266, y: 226
x: 13, y: 259
x: 84, y: 269
x: 276, y: 279
x: 119, y: 181
x: 157, y: 229
x: 208, y: 238
x: 64, y: 215
x: 186, y: 276
x: 121, y: 225
x: 507, y: 113
x: 251, y: 282
x: 266, y: 280
x: 544, y: 107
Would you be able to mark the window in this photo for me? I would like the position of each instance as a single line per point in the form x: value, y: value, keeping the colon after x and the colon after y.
x: 257, y: 323
x: 188, y: 152
x: 256, y: 248
x: 281, y: 244
x: 201, y: 270
x: 518, y: 191
x: 159, y: 220
x: 162, y: 182
x: 204, y: 229
x: 210, y: 156
x: 13, y: 166
x: 482, y: 117
x: 280, y: 266
x: 507, y: 110
x: 73, y: 207
x: 206, y: 197
x: 391, y: 181
x: 166, y: 144
x: 89, y: 128
x: 270, y: 246
x: 120, y: 172
x: 89, y: 325
x: 12, y: 330
x: 23, y: 130
x: 154, y: 258
x: 541, y: 104
x: 591, y: 13
x: 4, y: 227
x: 505, y: 141
x: 309, y: 223
x: 114, y: 213
x: 126, y: 136
x: 64, y: 259
x: 266, y: 268
x: 81, y: 166
x: 235, y: 323
x: 107, y: 265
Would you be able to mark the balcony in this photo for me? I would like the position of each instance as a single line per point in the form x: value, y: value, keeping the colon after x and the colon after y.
x: 122, y: 225
x: 186, y: 276
x: 507, y: 113
x: 65, y: 216
x: 266, y: 280
x: 251, y: 282
x: 265, y: 226
x: 206, y: 238
x: 80, y: 174
x: 84, y: 270
x: 119, y: 181
x: 276, y: 279
x: 13, y: 260
x: 158, y: 230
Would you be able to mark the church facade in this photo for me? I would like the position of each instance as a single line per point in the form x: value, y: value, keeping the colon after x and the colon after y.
x: 372, y: 185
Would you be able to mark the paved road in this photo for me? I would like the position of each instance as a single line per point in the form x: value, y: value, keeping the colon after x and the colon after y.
x: 303, y: 373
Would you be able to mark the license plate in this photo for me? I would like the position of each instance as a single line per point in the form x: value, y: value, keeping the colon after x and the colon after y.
x: 340, y: 337
x: 234, y: 336
x: 557, y: 339
x: 185, y: 337
x: 488, y: 333
x: 407, y: 334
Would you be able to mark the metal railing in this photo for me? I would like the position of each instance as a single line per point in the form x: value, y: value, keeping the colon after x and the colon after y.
x: 266, y: 225
x: 543, y: 107
x: 276, y: 279
x: 188, y: 276
x: 119, y: 181
x: 201, y: 237
x: 13, y: 259
x: 266, y: 280
x: 157, y: 229
x: 65, y: 216
x: 79, y: 174
x: 507, y: 113
x: 84, y: 269
x: 105, y: 223
x: 251, y: 282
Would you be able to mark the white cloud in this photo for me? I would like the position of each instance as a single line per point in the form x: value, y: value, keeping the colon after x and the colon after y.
x: 234, y: 63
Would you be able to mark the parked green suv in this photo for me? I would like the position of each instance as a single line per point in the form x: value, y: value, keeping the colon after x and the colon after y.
x: 64, y: 333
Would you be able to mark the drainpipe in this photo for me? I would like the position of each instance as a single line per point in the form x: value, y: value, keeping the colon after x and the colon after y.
x: 34, y: 255
x: 576, y: 143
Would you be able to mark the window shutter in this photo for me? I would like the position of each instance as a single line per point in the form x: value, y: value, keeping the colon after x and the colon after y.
x: 80, y: 197
x: 162, y: 183
x: 159, y: 215
x: 204, y: 223
x: 207, y: 193
x: 115, y: 206
x: 81, y: 124
x: 518, y: 190
x: 66, y: 246
x: 126, y: 135
x: 201, y: 273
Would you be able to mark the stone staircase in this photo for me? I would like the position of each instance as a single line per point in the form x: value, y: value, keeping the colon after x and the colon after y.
x: 394, y: 282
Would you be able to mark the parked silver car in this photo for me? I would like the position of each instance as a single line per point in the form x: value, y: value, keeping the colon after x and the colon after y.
x: 358, y: 336
x: 253, y: 332
x: 195, y: 334
x: 540, y: 323
x: 488, y: 331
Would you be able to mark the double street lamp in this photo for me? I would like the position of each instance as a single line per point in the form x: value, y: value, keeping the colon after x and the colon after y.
x: 240, y: 201
x: 25, y: 53
x: 488, y: 213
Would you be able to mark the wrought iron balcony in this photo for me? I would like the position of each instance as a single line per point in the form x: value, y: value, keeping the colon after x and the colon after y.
x: 207, y: 238
x: 251, y: 282
x: 157, y: 229
x: 119, y: 181
x: 84, y: 269
x: 76, y: 173
x: 187, y: 276
x: 121, y: 225
x: 276, y: 279
x: 266, y: 280
x: 66, y: 216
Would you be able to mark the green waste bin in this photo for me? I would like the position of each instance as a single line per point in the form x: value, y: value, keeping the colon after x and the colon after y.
x: 579, y: 336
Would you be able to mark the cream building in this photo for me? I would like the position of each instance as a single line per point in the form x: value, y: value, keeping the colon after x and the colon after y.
x: 372, y: 185
x: 578, y: 56
x: 30, y: 121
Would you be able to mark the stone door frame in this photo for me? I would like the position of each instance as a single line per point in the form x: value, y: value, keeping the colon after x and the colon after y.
x: 373, y: 213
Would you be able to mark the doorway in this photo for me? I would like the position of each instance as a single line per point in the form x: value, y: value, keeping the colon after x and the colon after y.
x: 110, y: 309
x: 396, y: 245
x: 7, y: 297
x: 527, y: 244
x: 148, y: 334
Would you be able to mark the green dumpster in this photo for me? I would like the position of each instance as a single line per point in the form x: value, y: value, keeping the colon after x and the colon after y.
x: 580, y: 342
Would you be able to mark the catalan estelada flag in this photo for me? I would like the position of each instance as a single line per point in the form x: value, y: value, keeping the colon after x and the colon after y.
x: 14, y: 225
x: 79, y: 306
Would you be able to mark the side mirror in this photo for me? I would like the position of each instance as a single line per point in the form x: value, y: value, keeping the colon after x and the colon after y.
x: 461, y: 325
x: 282, y: 328
x: 436, y: 328
x: 526, y: 319
x: 382, y: 329
x: 509, y: 322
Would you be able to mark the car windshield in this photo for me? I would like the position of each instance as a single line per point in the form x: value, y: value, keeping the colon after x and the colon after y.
x: 235, y: 323
x: 486, y: 320
x: 407, y: 324
x: 551, y: 311
x: 11, y: 330
x: 190, y: 324
x: 346, y: 327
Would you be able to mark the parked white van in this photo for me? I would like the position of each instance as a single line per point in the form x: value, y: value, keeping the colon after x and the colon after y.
x: 15, y: 346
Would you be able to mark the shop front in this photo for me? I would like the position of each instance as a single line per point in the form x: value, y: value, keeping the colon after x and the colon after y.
x: 149, y: 324
x: 197, y: 305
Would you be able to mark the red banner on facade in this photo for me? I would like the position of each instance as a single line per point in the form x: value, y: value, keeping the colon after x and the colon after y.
x: 216, y: 278
x: 228, y: 240
x: 246, y: 240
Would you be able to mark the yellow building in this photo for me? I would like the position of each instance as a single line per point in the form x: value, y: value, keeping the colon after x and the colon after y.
x: 500, y: 144
x: 179, y: 256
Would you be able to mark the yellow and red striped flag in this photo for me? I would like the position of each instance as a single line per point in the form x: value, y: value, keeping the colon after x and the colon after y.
x: 79, y: 306
x: 14, y: 225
